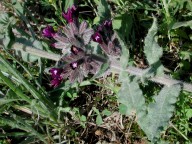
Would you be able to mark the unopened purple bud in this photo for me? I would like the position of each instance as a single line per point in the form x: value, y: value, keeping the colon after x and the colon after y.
x: 69, y: 15
x: 97, y: 37
x: 48, y: 32
x: 55, y: 72
x: 73, y: 8
x: 55, y: 82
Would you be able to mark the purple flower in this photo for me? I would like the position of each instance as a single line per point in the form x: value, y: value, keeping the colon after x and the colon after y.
x: 97, y: 37
x: 70, y: 14
x: 56, y: 76
x: 55, y: 72
x: 74, y: 65
x: 55, y: 82
x: 48, y: 31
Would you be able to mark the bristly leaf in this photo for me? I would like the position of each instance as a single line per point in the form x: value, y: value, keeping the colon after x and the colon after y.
x: 159, y: 112
x: 28, y: 42
x: 152, y: 50
x: 131, y: 97
x: 124, y: 58
x: 103, y: 10
x: 125, y: 52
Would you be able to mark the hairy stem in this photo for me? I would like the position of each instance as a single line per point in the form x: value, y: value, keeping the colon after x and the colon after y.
x: 165, y: 80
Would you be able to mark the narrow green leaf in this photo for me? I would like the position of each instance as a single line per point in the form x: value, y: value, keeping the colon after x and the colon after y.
x: 182, y: 24
x: 19, y: 123
x: 68, y: 3
x: 12, y: 86
x: 29, y: 139
x: 159, y: 112
x: 44, y: 101
x: 14, y: 134
x: 152, y: 50
x: 6, y: 101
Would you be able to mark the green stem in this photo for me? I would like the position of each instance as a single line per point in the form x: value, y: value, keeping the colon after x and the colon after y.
x: 115, y: 67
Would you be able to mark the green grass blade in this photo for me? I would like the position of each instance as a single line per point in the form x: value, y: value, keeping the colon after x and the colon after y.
x: 12, y: 86
x: 20, y: 124
x: 45, y: 102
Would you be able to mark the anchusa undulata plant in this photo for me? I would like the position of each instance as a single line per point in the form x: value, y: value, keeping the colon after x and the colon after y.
x: 78, y: 59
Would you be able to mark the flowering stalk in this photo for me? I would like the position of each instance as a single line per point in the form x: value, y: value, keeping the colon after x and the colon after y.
x: 78, y: 62
x: 114, y: 67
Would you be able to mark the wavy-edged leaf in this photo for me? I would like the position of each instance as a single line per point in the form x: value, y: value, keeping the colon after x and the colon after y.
x: 152, y: 50
x: 131, y: 97
x: 159, y: 112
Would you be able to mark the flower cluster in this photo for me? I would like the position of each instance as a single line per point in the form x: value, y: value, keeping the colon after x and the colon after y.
x: 107, y: 39
x: 73, y: 39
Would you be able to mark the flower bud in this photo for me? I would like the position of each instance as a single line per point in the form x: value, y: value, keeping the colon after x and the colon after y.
x: 48, y: 32
x: 97, y: 37
x: 70, y: 14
